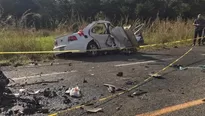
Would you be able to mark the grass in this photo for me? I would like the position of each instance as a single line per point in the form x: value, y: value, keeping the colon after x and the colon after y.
x: 168, y: 31
x: 15, y: 40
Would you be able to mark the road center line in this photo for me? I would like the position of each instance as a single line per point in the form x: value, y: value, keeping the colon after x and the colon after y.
x: 128, y: 64
x: 173, y: 108
x: 42, y: 75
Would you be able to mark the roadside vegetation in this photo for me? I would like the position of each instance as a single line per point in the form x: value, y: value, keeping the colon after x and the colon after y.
x: 33, y: 25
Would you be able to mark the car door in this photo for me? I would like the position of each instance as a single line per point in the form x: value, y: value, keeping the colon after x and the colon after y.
x: 99, y: 33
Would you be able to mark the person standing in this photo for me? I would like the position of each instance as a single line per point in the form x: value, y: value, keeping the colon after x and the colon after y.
x: 199, y: 24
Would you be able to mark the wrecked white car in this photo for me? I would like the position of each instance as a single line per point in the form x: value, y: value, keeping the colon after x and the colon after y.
x: 100, y: 36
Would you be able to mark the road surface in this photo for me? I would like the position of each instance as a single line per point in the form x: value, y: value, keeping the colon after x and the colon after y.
x: 179, y: 92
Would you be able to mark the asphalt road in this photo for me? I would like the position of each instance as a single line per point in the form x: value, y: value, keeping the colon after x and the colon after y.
x: 175, y: 94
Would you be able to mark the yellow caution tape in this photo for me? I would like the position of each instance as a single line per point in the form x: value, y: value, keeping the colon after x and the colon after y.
x: 134, y: 87
x: 78, y: 51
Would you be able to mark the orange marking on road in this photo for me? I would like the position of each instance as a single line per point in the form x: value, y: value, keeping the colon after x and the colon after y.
x: 173, y: 108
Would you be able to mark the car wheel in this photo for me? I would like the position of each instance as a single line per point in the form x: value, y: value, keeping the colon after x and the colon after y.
x: 92, y: 49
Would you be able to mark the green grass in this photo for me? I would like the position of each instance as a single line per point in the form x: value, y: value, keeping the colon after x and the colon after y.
x: 25, y: 40
x: 15, y: 40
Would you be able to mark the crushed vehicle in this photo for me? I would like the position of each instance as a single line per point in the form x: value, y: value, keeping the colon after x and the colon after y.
x: 100, y: 36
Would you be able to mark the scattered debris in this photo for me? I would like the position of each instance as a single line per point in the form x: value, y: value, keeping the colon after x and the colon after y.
x: 202, y: 68
x: 35, y: 92
x: 48, y: 93
x: 35, y: 63
x: 118, y: 108
x: 92, y: 74
x: 137, y: 93
x: 85, y: 81
x: 66, y: 100
x: 74, y: 92
x: 43, y: 110
x: 146, y: 66
x: 120, y: 74
x: 129, y: 83
x: 70, y: 64
x: 16, y: 94
x: 179, y: 67
x: 17, y: 109
x: 156, y: 76
x: 22, y: 90
x: 92, y: 110
x: 112, y: 88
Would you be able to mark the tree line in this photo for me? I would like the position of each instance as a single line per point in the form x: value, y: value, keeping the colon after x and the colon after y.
x: 52, y: 13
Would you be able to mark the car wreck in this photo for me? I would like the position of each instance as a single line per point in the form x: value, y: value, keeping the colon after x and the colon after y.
x: 100, y: 36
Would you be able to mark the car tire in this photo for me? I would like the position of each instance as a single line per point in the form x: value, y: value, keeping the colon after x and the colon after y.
x: 92, y: 46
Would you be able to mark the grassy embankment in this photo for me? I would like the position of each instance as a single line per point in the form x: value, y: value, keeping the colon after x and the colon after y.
x: 12, y: 40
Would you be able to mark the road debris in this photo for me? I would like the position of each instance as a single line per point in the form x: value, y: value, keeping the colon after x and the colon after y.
x: 146, y: 66
x: 85, y: 81
x: 156, y: 76
x: 74, y: 92
x: 202, y: 68
x: 137, y: 93
x: 22, y: 90
x: 35, y: 92
x: 17, y: 110
x: 120, y: 74
x: 48, y: 93
x: 113, y: 89
x: 92, y: 110
x: 179, y: 67
x: 119, y: 107
x: 66, y: 100
x: 129, y: 83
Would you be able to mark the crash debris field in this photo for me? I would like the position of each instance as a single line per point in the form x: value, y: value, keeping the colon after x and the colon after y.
x: 48, y: 88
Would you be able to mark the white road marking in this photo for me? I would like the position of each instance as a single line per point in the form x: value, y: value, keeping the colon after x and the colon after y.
x: 46, y: 64
x: 42, y: 75
x: 193, y: 67
x: 203, y: 54
x: 129, y: 64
